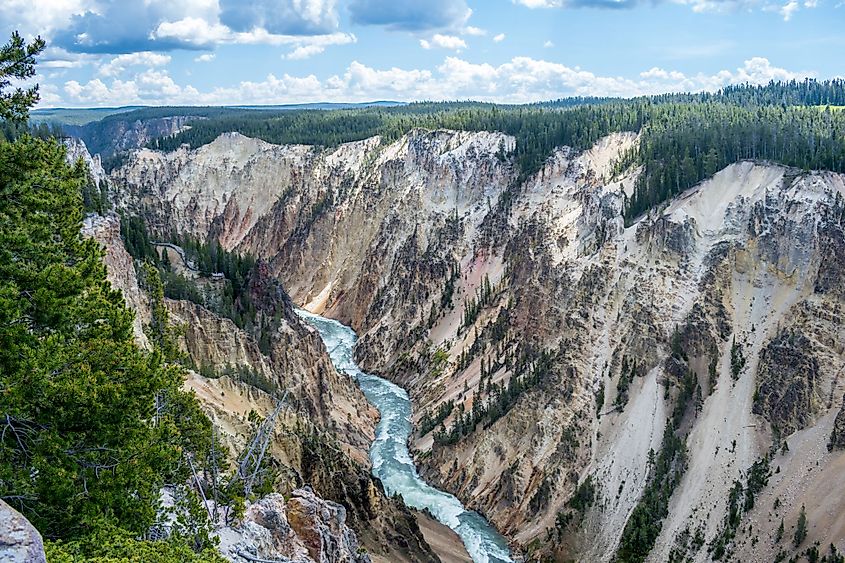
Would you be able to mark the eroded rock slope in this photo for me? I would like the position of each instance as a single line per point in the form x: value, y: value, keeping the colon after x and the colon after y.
x: 549, y: 348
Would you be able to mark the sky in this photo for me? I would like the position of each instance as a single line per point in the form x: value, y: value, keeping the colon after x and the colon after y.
x: 105, y: 53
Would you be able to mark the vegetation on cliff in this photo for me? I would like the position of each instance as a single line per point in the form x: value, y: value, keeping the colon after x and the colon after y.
x: 231, y: 285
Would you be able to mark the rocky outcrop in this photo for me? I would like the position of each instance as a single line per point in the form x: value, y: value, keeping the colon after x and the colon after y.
x: 116, y: 133
x: 296, y: 363
x: 120, y: 269
x: 837, y: 436
x: 19, y: 540
x: 788, y: 373
x: 77, y: 150
x: 301, y: 529
x: 321, y: 439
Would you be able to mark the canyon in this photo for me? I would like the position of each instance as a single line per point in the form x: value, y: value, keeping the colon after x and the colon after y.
x: 550, y: 350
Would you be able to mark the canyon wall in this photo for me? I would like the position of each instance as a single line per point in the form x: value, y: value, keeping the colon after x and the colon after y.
x: 550, y: 348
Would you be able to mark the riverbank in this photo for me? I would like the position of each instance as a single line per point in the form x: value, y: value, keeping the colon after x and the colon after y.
x: 442, y: 539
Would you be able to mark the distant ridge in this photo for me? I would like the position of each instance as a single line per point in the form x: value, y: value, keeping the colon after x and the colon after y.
x: 326, y: 105
x: 81, y: 116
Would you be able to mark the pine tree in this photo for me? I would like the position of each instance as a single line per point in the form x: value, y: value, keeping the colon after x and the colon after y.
x: 84, y: 441
x: 800, y: 528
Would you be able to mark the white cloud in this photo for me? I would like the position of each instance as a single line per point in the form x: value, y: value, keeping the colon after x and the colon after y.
x: 444, y: 42
x: 499, y: 38
x: 304, y: 52
x: 193, y: 31
x: 472, y: 30
x: 522, y: 79
x: 548, y: 44
x: 661, y: 74
x: 129, y: 26
x: 120, y: 63
x: 42, y: 16
x: 204, y: 58
x: 200, y: 33
x: 56, y: 57
x: 788, y: 9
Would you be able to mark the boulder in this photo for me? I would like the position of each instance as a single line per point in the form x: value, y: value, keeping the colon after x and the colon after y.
x: 20, y: 542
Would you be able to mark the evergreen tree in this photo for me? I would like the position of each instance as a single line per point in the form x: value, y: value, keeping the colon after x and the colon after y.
x: 91, y: 427
x: 800, y: 528
x: 17, y: 61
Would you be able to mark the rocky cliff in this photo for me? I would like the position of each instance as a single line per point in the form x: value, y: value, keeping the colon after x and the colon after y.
x: 76, y: 150
x: 321, y: 438
x: 550, y: 349
x: 303, y: 529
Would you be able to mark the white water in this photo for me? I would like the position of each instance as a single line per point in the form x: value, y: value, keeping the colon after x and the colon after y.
x: 389, y: 454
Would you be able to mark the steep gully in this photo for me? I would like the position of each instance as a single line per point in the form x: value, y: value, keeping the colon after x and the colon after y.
x: 389, y: 454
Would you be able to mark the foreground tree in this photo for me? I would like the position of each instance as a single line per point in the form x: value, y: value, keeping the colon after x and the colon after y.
x: 91, y: 427
x: 17, y: 61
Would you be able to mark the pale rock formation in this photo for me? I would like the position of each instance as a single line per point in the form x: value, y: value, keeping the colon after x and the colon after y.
x: 20, y: 542
x: 77, y: 150
x: 303, y: 529
x: 120, y: 269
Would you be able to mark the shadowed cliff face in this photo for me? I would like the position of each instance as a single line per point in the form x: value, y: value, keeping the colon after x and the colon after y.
x: 121, y: 135
x: 541, y: 339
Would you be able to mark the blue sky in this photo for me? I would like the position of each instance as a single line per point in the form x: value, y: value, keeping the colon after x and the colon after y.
x: 119, y: 52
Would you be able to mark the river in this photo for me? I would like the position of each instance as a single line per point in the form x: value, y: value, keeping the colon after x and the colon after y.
x: 392, y: 462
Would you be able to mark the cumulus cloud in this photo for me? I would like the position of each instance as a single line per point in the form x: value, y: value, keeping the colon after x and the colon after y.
x: 410, y: 15
x: 125, y: 26
x: 144, y: 88
x: 56, y: 57
x: 42, y: 17
x: 522, y: 79
x: 660, y: 74
x: 205, y: 58
x: 199, y: 33
x: 128, y: 26
x: 472, y: 30
x: 191, y: 32
x: 499, y: 38
x: 443, y: 42
x: 304, y: 52
x: 120, y: 63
